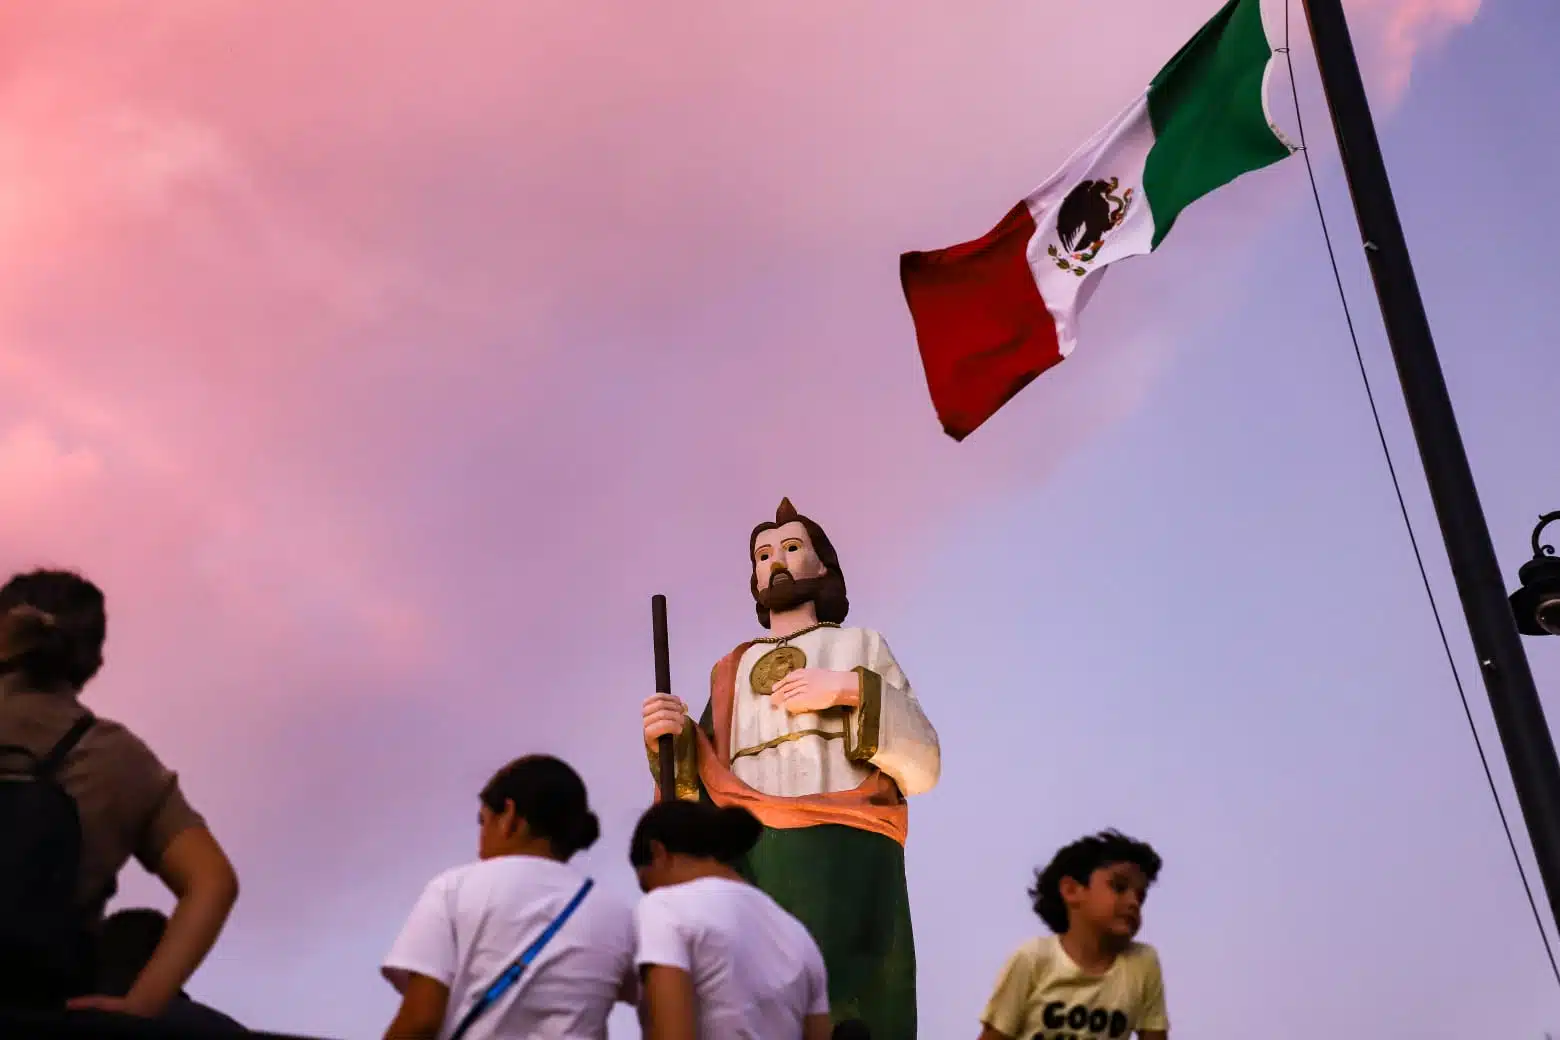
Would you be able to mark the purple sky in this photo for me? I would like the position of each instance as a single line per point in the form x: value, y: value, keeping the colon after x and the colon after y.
x: 381, y: 366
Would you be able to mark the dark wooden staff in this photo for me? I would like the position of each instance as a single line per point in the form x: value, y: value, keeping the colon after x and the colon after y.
x: 663, y: 684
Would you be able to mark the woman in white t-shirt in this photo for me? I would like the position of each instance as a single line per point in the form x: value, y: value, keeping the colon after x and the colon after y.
x: 719, y: 959
x: 518, y: 942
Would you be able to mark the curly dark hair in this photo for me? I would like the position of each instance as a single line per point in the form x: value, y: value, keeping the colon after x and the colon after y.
x: 1079, y: 861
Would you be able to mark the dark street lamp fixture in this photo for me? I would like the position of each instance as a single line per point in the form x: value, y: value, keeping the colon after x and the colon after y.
x: 1537, y: 603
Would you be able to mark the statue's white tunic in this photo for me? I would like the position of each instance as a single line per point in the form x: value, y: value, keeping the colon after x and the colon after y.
x: 788, y: 755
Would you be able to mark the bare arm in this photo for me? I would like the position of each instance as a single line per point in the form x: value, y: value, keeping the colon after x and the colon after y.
x: 817, y: 1027
x: 669, y: 1009
x: 198, y: 873
x: 423, y: 1004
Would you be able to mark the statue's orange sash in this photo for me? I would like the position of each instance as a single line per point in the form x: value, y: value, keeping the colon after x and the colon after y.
x: 876, y: 805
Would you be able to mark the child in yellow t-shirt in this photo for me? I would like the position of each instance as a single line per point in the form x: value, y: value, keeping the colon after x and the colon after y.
x: 1090, y: 980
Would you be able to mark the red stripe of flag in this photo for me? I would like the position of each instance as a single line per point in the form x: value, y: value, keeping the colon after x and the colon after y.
x: 983, y: 329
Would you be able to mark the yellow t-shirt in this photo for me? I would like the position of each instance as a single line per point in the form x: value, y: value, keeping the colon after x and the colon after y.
x: 1042, y: 995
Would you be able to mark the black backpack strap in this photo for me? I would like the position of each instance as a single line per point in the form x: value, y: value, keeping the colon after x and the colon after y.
x: 12, y: 757
x: 56, y: 755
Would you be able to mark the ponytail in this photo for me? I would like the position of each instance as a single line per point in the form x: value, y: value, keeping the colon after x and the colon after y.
x: 735, y: 833
x: 32, y: 643
x: 576, y: 833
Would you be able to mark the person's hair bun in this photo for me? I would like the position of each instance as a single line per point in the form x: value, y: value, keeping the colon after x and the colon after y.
x: 736, y: 832
x: 52, y: 625
x: 30, y: 637
x: 581, y: 832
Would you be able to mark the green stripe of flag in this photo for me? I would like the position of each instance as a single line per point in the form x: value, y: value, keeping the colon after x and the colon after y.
x: 1210, y: 122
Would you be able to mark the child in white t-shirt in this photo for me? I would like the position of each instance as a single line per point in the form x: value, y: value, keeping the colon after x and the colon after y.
x: 1091, y: 980
x: 719, y: 959
x: 473, y: 922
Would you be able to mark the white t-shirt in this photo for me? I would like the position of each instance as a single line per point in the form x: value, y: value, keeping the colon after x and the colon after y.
x: 756, y: 970
x: 473, y: 921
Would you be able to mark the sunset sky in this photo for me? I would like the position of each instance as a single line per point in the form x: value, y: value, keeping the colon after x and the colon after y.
x: 382, y: 359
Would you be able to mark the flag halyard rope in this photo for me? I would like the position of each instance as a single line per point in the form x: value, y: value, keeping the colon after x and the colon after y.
x: 1397, y: 488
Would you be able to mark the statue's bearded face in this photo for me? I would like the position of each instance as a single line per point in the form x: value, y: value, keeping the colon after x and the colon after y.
x: 786, y: 567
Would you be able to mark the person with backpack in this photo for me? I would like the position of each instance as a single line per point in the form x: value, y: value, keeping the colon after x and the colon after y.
x: 79, y: 796
x: 518, y: 944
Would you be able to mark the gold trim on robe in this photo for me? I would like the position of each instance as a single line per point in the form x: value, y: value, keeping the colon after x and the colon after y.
x: 786, y: 738
x: 685, y: 753
x: 869, y: 718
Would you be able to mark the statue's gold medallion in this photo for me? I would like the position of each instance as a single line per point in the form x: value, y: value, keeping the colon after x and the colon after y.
x: 774, y: 666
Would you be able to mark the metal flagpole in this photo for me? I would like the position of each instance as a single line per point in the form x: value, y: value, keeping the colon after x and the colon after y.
x: 1519, y: 716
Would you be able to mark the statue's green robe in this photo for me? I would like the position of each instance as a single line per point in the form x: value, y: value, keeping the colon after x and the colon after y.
x: 833, y: 859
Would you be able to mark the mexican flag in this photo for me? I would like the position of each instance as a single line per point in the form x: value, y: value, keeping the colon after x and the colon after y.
x: 992, y: 314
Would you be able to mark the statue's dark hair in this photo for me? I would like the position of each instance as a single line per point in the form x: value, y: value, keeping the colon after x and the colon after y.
x: 831, y: 602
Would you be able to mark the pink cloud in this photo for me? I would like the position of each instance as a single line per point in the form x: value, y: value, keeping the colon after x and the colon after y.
x: 46, y: 476
x: 1407, y: 28
x: 340, y: 342
x: 255, y: 262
